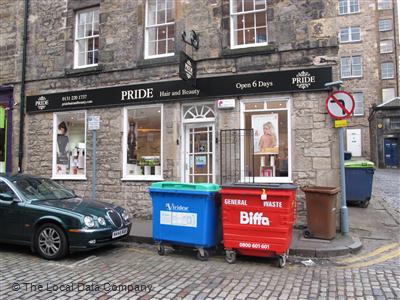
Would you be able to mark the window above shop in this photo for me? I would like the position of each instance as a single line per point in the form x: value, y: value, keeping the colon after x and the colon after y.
x: 350, y: 34
x: 359, y: 104
x: 384, y: 4
x: 349, y: 7
x: 69, y: 145
x: 142, y: 147
x: 387, y: 70
x: 385, y: 25
x: 86, y: 38
x: 248, y: 19
x: 351, y: 66
x: 388, y: 94
x: 270, y: 147
x: 386, y: 46
x: 160, y: 28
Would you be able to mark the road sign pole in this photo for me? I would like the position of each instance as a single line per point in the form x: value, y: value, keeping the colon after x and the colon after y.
x: 94, y: 166
x: 344, y: 214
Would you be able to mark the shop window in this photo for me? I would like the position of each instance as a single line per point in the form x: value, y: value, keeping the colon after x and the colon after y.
x: 271, y: 141
x: 384, y: 4
x: 160, y: 28
x: 386, y: 46
x: 348, y: 7
x: 142, y: 151
x: 359, y: 104
x: 387, y: 70
x: 385, y: 25
x: 351, y: 66
x: 248, y: 23
x: 87, y: 38
x: 387, y: 94
x: 350, y: 34
x: 69, y: 146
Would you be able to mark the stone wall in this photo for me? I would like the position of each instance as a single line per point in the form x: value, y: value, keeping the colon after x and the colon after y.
x: 301, y: 33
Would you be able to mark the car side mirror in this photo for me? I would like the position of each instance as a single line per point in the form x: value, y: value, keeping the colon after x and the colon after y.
x: 6, y: 197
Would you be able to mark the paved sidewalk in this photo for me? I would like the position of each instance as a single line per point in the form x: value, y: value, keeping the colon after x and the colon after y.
x: 369, y: 227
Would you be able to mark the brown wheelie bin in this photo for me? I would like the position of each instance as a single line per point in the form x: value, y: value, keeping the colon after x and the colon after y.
x: 321, y: 202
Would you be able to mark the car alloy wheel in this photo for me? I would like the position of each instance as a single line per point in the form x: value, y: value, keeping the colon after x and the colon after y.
x: 51, y: 242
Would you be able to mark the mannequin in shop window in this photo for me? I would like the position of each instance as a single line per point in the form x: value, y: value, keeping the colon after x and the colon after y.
x: 62, y: 149
x: 132, y: 157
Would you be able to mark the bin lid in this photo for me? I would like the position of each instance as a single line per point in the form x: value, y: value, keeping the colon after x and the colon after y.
x: 256, y: 185
x: 320, y: 189
x: 172, y: 185
x: 355, y: 164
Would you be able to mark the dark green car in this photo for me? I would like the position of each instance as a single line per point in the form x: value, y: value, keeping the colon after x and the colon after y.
x: 52, y: 220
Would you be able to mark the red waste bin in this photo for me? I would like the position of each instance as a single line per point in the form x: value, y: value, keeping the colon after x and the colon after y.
x: 258, y: 220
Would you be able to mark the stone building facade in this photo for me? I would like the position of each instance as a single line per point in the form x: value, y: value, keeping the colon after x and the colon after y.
x: 301, y: 39
x: 368, y: 30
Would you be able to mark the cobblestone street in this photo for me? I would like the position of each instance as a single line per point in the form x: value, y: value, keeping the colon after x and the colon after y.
x: 133, y: 271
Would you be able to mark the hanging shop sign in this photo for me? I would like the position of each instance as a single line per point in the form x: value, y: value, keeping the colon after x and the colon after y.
x: 163, y: 91
x: 187, y: 68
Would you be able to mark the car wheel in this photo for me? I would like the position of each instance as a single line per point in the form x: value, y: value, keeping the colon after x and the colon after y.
x: 50, y: 242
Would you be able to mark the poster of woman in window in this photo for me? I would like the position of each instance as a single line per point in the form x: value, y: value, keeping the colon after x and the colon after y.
x: 132, y: 156
x: 266, y: 133
x: 62, y: 149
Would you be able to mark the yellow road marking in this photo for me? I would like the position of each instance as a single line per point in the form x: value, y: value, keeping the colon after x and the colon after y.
x: 385, y: 257
x: 373, y: 253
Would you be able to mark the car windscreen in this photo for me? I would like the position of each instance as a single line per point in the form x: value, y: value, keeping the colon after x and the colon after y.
x: 42, y: 189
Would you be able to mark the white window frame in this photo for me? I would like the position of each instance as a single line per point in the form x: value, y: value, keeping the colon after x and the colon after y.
x: 54, y: 156
x: 384, y: 21
x: 232, y: 29
x: 125, y: 175
x: 351, y: 67
x: 385, y: 70
x: 349, y: 32
x: 348, y: 8
x: 146, y: 34
x: 384, y: 4
x: 76, y: 39
x: 355, y: 103
x: 391, y: 91
x: 386, y: 48
x: 288, y: 108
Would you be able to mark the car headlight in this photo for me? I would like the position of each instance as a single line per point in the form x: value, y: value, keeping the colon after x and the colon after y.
x: 125, y: 215
x: 89, y: 222
x: 101, y: 221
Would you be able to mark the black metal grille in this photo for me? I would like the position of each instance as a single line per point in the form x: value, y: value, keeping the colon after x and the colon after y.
x: 115, y: 218
x: 237, y: 155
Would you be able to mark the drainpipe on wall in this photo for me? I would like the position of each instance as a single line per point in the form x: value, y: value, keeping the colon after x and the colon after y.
x: 396, y: 31
x: 22, y: 99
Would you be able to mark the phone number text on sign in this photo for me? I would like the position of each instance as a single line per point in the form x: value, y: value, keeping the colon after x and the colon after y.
x: 254, y: 246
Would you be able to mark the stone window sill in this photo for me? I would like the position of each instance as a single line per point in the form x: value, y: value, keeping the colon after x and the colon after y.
x: 84, y: 71
x: 248, y: 51
x: 155, y: 62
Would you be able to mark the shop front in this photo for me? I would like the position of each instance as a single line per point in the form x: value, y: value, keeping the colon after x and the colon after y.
x: 171, y: 130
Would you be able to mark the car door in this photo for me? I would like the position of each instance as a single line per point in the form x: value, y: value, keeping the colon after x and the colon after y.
x: 11, y: 214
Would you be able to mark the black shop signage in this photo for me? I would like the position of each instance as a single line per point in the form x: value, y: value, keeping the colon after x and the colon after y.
x: 210, y: 87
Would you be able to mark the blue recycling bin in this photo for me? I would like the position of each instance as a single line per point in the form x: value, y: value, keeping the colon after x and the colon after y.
x: 185, y: 214
x: 359, y: 177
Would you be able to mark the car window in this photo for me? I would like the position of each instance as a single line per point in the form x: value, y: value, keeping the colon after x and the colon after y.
x: 5, y: 189
x: 42, y: 189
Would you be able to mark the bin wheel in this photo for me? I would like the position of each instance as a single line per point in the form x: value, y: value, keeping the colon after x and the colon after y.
x: 161, y: 250
x: 281, y: 261
x: 202, y: 256
x: 307, y: 234
x: 230, y: 256
x: 364, y: 204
